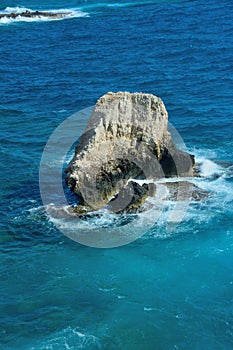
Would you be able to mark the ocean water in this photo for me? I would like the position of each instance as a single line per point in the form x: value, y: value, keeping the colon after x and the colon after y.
x: 165, y: 290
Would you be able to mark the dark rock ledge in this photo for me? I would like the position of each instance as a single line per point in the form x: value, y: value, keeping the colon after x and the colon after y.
x: 31, y: 14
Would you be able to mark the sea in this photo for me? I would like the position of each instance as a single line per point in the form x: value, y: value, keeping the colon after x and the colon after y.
x: 168, y: 289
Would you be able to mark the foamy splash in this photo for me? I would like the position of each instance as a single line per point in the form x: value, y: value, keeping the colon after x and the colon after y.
x: 68, y: 13
x: 69, y: 338
x: 215, y: 178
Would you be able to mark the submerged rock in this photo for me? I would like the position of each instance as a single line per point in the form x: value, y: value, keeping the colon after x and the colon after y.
x: 126, y: 138
x: 183, y: 190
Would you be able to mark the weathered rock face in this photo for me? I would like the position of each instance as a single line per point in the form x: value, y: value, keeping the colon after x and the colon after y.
x: 126, y: 137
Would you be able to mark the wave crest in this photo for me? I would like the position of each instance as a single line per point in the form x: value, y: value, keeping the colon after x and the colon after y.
x: 68, y: 13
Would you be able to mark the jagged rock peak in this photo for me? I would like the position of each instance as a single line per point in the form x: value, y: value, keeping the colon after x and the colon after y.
x: 126, y: 137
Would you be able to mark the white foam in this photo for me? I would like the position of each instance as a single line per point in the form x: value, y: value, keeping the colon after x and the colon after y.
x: 16, y: 9
x: 107, y: 289
x: 66, y: 339
x: 121, y: 297
x: 209, y: 168
x: 69, y: 13
x: 149, y: 308
x: 160, y: 210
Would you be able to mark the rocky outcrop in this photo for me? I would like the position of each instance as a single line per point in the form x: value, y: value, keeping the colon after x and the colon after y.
x: 126, y: 138
x: 131, y: 197
x: 31, y: 14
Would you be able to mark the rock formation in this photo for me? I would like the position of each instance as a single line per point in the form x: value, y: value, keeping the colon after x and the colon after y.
x: 31, y: 14
x: 126, y: 138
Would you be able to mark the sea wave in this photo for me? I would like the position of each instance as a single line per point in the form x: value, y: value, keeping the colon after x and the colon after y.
x: 160, y: 213
x: 68, y: 13
x: 99, y: 5
x: 69, y: 338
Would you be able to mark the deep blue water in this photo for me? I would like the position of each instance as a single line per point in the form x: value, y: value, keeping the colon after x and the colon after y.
x: 162, y: 291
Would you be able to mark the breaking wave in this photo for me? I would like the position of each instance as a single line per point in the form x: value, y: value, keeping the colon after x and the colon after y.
x: 69, y: 338
x: 68, y: 13
x: 160, y: 214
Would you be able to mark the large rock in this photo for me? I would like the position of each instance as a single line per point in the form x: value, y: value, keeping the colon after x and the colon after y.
x: 126, y: 137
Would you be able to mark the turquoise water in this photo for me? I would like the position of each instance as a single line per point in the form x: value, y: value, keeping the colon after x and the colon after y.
x: 163, y: 291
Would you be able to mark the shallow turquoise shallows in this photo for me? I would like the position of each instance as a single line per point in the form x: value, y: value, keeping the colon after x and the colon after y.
x: 166, y: 290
